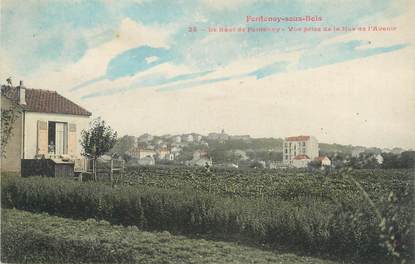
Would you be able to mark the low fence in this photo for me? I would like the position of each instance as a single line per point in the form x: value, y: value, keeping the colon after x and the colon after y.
x: 84, y: 168
x: 100, y: 170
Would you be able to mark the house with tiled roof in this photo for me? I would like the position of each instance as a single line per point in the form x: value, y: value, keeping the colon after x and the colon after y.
x: 140, y: 153
x: 48, y: 125
x: 301, y: 161
x: 299, y: 147
x: 324, y: 161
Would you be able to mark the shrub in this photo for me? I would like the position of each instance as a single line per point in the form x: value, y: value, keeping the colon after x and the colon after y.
x: 343, y: 228
x: 40, y: 238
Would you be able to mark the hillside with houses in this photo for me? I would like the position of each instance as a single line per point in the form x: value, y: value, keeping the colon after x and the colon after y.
x: 220, y: 149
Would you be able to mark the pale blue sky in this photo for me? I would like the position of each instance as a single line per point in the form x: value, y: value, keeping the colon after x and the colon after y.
x: 42, y: 39
x: 55, y: 31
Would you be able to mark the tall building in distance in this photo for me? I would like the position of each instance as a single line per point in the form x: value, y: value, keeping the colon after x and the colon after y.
x: 299, y: 147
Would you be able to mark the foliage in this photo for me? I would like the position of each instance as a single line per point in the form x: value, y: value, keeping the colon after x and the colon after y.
x: 280, y: 184
x: 404, y: 160
x: 265, y: 155
x: 98, y: 139
x: 8, y: 118
x: 328, y: 149
x: 407, y: 159
x: 31, y: 237
x: 298, y: 213
x: 123, y: 145
x: 314, y: 164
x: 253, y: 144
x: 396, y: 236
x: 390, y: 160
x: 364, y: 161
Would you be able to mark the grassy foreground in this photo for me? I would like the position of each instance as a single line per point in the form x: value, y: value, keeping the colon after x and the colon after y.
x: 347, y: 229
x: 40, y: 238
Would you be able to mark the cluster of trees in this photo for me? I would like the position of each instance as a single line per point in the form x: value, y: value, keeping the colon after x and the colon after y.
x: 405, y: 160
x: 265, y: 149
x: 8, y: 118
x: 251, y: 144
x: 101, y: 139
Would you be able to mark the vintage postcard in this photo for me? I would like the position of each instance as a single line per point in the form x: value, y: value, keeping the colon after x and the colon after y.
x: 207, y: 131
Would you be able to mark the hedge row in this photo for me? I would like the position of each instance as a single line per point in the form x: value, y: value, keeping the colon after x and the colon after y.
x: 309, y: 225
x: 32, y: 238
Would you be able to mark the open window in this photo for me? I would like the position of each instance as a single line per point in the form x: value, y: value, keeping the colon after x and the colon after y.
x: 57, y: 138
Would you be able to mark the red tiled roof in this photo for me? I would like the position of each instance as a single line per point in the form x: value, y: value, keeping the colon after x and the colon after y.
x: 301, y: 157
x: 44, y: 101
x: 298, y: 138
x: 321, y: 158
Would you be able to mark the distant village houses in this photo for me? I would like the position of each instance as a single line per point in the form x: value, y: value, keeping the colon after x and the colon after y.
x: 145, y: 138
x: 187, y: 138
x: 200, y: 158
x: 197, y: 137
x: 243, y: 151
x: 218, y: 136
x: 300, y: 151
x: 164, y: 154
x: 357, y: 151
x: 140, y: 153
x: 198, y: 154
x: 176, y: 139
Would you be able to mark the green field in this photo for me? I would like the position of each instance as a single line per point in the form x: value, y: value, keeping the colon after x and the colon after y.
x: 285, y: 184
x: 40, y: 238
x: 361, y: 216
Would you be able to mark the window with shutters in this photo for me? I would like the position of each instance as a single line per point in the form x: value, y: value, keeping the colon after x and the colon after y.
x: 57, y: 138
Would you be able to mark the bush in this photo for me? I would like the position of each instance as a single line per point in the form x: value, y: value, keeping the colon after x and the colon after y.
x: 40, y: 238
x: 346, y: 229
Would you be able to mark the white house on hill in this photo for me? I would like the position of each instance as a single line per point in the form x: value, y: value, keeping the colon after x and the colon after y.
x: 299, y: 146
x: 200, y: 158
x: 140, y: 153
x: 48, y: 125
x: 324, y: 160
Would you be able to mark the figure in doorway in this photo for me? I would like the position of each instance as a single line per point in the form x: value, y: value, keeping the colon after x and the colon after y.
x: 51, y: 147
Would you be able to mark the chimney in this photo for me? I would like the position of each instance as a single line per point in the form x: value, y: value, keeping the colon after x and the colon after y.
x: 22, y: 93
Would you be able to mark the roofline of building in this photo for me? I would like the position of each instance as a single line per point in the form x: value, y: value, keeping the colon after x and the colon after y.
x: 58, y: 113
x: 48, y: 91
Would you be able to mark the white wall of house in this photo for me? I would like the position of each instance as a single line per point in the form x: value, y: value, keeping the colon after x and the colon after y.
x: 312, y: 150
x: 146, y: 153
x: 379, y: 159
x: 31, y: 130
x: 301, y: 163
x: 291, y: 149
x: 326, y: 162
x: 200, y: 162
